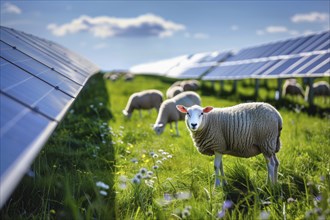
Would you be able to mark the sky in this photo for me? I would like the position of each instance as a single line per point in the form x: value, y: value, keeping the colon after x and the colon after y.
x: 117, y: 35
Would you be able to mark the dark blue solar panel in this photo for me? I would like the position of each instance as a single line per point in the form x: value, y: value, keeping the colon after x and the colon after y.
x: 314, y: 43
x: 53, y: 50
x: 36, y: 54
x: 284, y: 47
x: 325, y: 68
x: 284, y: 65
x: 303, y: 62
x: 39, y: 70
x: 308, y: 41
x: 20, y: 126
x: 33, y: 92
x: 294, y: 45
x: 316, y: 62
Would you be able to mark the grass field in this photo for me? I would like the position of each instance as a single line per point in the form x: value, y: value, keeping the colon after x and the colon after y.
x: 99, y: 165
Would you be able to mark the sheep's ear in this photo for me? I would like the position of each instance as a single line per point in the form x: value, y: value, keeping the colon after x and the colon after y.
x: 181, y: 108
x: 207, y: 109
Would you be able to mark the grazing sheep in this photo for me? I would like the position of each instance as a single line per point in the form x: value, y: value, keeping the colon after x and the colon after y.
x: 291, y: 87
x: 195, y: 84
x: 168, y: 113
x: 128, y: 77
x: 244, y: 130
x: 147, y: 99
x: 187, y: 85
x: 321, y: 88
x: 173, y: 91
x: 176, y: 83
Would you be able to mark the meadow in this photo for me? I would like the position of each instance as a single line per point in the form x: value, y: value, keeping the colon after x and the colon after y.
x: 100, y: 165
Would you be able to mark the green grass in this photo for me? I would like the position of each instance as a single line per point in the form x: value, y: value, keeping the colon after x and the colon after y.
x: 96, y: 143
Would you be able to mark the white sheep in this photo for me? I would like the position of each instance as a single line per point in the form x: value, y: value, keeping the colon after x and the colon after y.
x: 244, y: 130
x: 173, y: 91
x: 168, y: 113
x: 291, y: 87
x: 147, y: 99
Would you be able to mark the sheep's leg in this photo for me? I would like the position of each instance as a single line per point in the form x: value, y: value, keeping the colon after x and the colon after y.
x: 271, y: 167
x: 275, y: 167
x: 176, y: 128
x: 218, y: 167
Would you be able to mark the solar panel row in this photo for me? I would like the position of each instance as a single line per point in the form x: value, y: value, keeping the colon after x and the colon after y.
x: 39, y: 81
x: 186, y: 66
x: 305, y: 56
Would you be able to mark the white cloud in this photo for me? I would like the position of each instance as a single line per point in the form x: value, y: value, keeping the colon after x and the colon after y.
x: 103, y: 26
x: 196, y: 35
x: 276, y: 30
x: 10, y: 8
x: 310, y: 17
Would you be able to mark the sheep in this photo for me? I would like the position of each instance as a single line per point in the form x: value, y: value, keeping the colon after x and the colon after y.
x: 173, y: 91
x: 321, y: 88
x: 195, y: 84
x: 168, y: 113
x: 187, y: 85
x: 146, y: 99
x: 244, y: 130
x: 128, y: 77
x: 291, y: 87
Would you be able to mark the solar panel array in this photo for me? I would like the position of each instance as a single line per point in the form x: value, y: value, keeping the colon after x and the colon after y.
x: 304, y: 56
x: 186, y: 66
x: 39, y: 81
x: 307, y: 56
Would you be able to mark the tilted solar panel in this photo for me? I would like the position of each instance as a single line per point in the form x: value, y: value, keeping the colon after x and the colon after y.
x: 39, y: 81
x: 304, y: 56
x: 197, y: 65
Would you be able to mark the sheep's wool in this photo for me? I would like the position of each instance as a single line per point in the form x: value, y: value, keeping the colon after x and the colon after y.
x: 243, y: 130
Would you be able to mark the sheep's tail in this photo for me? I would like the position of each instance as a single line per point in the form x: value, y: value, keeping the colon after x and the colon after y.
x: 278, y: 142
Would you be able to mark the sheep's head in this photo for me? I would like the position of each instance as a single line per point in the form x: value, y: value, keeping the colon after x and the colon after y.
x: 128, y: 115
x: 194, y: 115
x: 159, y: 128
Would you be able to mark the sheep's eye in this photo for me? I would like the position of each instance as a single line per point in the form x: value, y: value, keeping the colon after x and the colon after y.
x: 188, y: 114
x: 202, y: 113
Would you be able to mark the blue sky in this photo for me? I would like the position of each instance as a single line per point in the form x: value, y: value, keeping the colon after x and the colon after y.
x: 121, y: 34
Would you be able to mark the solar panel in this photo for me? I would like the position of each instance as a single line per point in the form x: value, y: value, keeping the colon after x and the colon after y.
x: 39, y: 81
x: 286, y: 58
x: 160, y: 67
x: 183, y: 67
x: 188, y: 71
x: 299, y: 57
x: 196, y: 65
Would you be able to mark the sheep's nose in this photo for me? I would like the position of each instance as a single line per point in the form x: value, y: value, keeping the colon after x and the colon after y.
x: 193, y: 125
